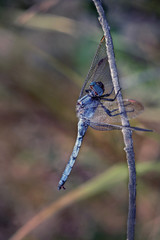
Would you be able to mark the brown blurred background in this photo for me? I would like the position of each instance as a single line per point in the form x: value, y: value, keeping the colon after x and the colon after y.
x: 46, y: 48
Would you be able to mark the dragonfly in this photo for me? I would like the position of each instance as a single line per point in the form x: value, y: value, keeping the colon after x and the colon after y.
x: 97, y: 106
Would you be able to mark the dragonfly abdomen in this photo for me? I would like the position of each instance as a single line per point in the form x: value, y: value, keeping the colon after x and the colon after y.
x: 82, y: 127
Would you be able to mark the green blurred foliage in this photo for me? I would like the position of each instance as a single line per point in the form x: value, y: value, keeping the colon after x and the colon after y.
x: 46, y: 48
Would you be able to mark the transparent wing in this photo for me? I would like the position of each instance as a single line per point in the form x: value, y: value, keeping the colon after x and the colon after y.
x: 99, y: 70
x: 107, y: 127
x: 104, y: 127
x: 101, y: 117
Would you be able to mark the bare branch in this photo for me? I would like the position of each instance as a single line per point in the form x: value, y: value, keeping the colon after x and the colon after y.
x: 127, y: 133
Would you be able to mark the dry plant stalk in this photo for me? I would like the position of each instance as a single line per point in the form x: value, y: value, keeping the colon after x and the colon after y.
x: 127, y: 133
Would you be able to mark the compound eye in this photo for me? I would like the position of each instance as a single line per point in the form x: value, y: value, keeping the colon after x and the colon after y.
x: 97, y: 88
x: 101, y: 85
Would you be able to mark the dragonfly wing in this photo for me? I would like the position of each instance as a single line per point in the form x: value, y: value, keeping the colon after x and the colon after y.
x: 100, y: 116
x: 104, y: 127
x: 107, y: 127
x: 99, y: 70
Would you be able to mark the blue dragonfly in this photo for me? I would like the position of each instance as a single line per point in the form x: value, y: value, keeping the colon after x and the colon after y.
x: 97, y: 106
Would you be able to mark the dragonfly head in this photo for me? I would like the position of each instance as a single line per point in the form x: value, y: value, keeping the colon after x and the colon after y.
x: 97, y: 88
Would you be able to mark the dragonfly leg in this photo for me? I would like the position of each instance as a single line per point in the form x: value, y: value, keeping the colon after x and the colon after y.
x: 110, y: 113
x: 108, y: 94
x: 87, y: 90
x: 110, y: 99
x: 125, y: 105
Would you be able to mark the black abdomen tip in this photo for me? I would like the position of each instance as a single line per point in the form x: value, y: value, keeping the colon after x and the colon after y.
x: 61, y: 185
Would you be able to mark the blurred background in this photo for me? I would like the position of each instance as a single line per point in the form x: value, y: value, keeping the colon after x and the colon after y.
x: 46, y: 48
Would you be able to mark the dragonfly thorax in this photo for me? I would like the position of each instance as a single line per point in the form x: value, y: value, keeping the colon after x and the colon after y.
x: 96, y: 88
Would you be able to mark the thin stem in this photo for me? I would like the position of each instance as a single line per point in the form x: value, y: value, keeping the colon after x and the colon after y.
x: 127, y: 133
